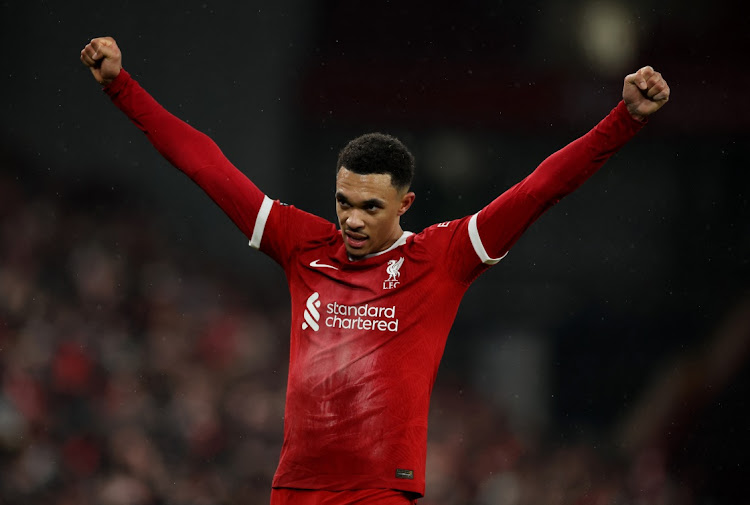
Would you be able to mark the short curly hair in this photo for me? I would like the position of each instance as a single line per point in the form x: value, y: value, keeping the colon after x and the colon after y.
x: 379, y: 153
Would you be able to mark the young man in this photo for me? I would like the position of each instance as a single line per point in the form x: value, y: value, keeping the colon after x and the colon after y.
x: 372, y: 305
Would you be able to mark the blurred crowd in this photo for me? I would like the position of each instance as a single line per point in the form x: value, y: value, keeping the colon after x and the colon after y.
x: 133, y: 374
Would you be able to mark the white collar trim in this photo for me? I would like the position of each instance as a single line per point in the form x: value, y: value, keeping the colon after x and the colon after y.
x: 398, y: 243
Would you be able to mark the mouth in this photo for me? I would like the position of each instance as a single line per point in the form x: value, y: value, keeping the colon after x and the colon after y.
x: 355, y: 240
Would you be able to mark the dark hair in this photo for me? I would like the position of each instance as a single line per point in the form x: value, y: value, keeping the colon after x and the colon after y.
x: 378, y: 153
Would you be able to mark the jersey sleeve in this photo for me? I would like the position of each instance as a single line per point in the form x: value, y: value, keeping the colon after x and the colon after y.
x: 280, y: 229
x: 197, y: 156
x: 485, y: 238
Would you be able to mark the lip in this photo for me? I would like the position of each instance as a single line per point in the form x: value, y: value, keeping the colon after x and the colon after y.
x: 355, y: 240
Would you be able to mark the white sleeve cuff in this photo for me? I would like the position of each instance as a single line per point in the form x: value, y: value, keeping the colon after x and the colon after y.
x: 476, y: 241
x: 260, y: 222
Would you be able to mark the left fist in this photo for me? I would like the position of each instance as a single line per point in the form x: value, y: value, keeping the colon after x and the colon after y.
x: 644, y: 92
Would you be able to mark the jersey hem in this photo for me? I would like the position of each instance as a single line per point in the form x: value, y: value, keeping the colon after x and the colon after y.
x: 351, y: 483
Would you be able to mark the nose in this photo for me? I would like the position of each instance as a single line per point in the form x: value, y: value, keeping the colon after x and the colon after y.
x: 354, y: 220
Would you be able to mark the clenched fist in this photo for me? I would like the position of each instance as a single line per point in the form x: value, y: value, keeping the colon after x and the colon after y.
x: 644, y: 92
x: 103, y: 58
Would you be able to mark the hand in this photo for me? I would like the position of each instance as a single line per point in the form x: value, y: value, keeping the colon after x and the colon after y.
x: 103, y: 58
x: 644, y: 92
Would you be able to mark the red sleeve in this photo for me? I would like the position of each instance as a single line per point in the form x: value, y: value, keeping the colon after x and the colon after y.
x: 191, y: 151
x: 281, y: 229
x: 492, y: 231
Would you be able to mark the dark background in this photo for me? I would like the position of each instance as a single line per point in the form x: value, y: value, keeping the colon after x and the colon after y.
x: 617, y: 326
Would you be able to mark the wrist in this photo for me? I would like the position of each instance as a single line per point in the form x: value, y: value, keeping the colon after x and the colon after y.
x: 638, y: 117
x: 632, y: 111
x: 106, y: 81
x: 117, y: 83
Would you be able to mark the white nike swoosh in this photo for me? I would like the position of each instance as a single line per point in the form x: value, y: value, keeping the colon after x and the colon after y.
x: 321, y: 265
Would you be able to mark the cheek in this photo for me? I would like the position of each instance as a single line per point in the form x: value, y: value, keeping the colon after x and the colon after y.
x: 381, y: 224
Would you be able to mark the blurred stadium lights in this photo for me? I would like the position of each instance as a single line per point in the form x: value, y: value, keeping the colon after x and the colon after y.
x: 607, y: 36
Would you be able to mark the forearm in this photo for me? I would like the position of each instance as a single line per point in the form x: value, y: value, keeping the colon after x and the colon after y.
x: 564, y: 171
x: 191, y: 151
x: 503, y: 221
x: 181, y: 144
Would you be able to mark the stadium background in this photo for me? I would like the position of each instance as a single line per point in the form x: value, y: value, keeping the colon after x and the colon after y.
x: 143, y: 345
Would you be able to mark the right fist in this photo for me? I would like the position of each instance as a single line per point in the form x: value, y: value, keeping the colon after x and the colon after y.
x: 103, y: 58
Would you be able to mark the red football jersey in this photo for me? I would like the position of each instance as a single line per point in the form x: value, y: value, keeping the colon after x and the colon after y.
x: 367, y: 335
x: 366, y: 341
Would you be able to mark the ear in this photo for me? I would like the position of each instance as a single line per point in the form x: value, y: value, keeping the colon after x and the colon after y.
x: 406, y: 202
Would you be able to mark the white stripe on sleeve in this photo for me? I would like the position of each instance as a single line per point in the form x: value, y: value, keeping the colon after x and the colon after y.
x: 476, y: 241
x: 260, y: 222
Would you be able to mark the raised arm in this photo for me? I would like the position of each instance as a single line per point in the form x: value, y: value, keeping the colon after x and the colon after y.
x: 191, y: 151
x: 495, y: 228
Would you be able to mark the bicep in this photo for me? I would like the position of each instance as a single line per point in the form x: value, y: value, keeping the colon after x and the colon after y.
x: 232, y: 191
x: 500, y: 224
x: 483, y: 239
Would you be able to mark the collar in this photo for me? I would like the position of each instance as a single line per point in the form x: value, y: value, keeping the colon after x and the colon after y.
x: 398, y: 243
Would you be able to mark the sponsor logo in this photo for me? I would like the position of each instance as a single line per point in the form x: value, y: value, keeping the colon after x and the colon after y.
x: 349, y: 317
x: 312, y: 316
x: 444, y: 224
x: 393, y: 269
x: 318, y: 264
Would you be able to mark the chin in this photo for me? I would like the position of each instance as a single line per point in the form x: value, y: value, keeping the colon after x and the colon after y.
x: 356, y: 253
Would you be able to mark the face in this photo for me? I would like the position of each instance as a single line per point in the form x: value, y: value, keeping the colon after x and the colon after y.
x: 369, y: 207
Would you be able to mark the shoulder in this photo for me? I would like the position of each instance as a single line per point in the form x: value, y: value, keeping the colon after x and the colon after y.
x: 436, y: 239
x: 292, y: 216
x: 281, y: 229
x: 441, y: 232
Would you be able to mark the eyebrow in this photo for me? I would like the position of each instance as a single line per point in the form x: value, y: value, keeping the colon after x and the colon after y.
x: 372, y: 202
